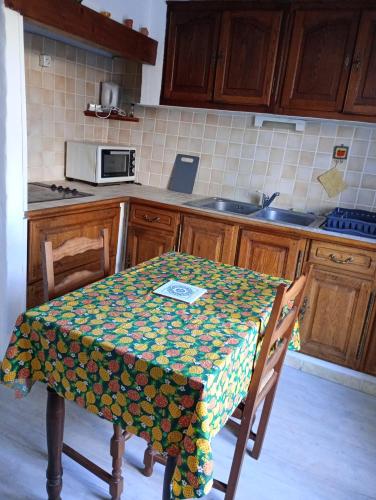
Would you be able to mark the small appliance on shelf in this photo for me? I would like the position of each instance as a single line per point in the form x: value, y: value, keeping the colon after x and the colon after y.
x: 100, y: 163
x: 351, y: 221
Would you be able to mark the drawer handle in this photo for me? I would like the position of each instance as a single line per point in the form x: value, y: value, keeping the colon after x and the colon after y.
x: 152, y: 219
x: 335, y: 259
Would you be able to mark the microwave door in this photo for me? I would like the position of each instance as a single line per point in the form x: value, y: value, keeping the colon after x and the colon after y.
x: 115, y: 164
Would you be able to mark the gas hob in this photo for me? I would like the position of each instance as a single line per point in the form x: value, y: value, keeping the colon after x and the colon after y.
x: 39, y: 192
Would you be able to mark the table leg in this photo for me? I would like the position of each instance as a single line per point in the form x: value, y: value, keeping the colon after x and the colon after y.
x: 55, y: 429
x: 169, y: 472
x: 117, y: 452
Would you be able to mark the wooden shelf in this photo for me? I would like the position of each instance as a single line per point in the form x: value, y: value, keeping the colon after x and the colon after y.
x: 78, y: 21
x: 111, y: 117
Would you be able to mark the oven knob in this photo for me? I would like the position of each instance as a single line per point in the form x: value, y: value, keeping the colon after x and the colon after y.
x: 67, y: 190
x: 53, y: 187
x: 60, y: 189
x: 74, y: 191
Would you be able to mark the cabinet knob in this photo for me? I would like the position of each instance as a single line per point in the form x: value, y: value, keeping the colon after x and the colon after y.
x: 356, y: 63
x: 303, y: 309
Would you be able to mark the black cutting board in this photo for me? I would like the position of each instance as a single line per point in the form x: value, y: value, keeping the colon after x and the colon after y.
x: 184, y: 173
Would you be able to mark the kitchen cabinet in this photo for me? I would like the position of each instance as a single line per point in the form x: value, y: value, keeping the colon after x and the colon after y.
x: 288, y: 57
x: 246, y: 58
x: 361, y: 93
x: 208, y: 238
x: 227, y: 57
x: 60, y: 225
x: 271, y: 253
x: 319, y: 60
x: 339, y: 304
x: 190, y: 55
x: 369, y: 356
x: 334, y: 319
x: 152, y: 231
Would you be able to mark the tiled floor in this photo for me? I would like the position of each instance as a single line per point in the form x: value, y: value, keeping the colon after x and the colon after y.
x: 321, y: 445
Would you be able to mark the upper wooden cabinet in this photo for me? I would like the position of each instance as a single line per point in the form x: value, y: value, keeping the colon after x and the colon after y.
x: 246, y: 58
x: 319, y: 61
x: 190, y: 56
x: 361, y: 93
x: 294, y: 57
x: 221, y: 56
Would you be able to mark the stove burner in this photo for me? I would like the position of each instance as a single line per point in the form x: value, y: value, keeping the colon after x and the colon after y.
x: 39, y: 192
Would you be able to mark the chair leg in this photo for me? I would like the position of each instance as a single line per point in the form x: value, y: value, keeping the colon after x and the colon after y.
x: 117, y: 452
x: 240, y: 449
x: 263, y: 424
x: 149, y: 461
x: 169, y: 472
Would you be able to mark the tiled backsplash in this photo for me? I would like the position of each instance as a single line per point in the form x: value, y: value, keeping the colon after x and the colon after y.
x: 57, y: 96
x: 236, y: 159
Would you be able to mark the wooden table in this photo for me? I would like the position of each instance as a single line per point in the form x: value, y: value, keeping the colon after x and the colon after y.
x: 169, y: 372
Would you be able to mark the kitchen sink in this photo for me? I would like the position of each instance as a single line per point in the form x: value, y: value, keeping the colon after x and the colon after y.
x: 224, y: 205
x: 288, y: 216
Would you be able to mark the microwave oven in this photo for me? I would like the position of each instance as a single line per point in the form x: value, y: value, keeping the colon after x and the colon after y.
x: 99, y: 163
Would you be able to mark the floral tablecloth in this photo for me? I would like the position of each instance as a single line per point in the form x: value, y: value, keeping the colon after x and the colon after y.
x: 169, y: 372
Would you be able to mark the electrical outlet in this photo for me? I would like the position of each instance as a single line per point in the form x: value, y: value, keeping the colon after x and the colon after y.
x: 44, y: 60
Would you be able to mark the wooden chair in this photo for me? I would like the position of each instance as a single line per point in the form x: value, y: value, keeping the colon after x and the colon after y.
x: 70, y: 248
x: 262, y: 389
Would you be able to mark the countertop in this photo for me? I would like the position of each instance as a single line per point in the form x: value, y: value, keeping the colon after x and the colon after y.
x: 123, y: 192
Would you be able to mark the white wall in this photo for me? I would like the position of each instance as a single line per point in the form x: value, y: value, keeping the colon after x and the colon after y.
x: 138, y: 10
x: 152, y: 75
x: 13, y: 176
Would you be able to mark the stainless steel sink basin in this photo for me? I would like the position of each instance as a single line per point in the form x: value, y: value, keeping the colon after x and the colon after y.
x: 224, y: 205
x: 288, y: 216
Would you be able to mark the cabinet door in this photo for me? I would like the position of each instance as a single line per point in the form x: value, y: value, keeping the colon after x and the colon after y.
x: 271, y: 254
x: 333, y: 319
x: 247, y: 57
x: 361, y: 94
x: 318, y: 66
x: 190, y: 55
x: 209, y: 239
x: 369, y: 355
x: 144, y: 244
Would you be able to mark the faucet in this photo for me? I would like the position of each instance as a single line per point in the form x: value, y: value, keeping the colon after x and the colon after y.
x: 266, y: 200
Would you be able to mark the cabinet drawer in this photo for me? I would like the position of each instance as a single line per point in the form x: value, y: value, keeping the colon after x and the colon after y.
x: 143, y: 215
x: 343, y: 257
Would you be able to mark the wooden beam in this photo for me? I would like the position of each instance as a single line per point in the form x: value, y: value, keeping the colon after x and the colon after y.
x: 78, y: 21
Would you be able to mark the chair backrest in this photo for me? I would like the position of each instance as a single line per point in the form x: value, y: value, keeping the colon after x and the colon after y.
x: 275, y: 339
x: 76, y: 279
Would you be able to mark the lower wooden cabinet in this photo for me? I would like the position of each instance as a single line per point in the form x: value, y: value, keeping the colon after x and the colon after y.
x: 152, y: 231
x: 338, y: 320
x: 208, y: 238
x: 271, y: 254
x: 369, y: 355
x: 61, y: 225
x: 145, y: 244
x: 335, y: 316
